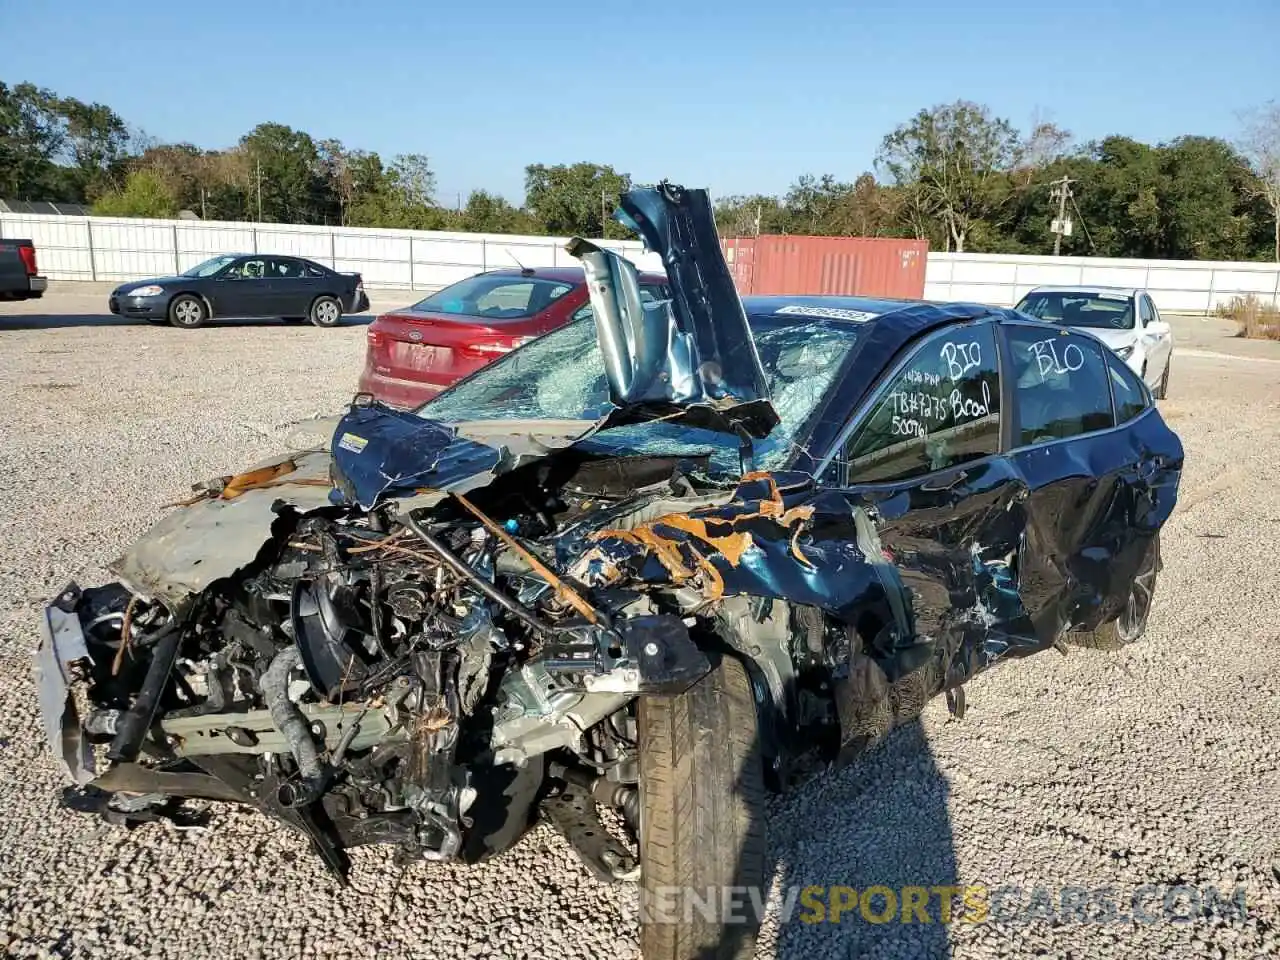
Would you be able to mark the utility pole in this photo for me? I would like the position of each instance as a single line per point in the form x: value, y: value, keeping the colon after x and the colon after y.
x: 259, y: 177
x: 604, y: 212
x: 1060, y: 190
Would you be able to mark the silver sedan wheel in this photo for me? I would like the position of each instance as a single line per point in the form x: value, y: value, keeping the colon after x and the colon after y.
x: 326, y: 313
x: 187, y: 312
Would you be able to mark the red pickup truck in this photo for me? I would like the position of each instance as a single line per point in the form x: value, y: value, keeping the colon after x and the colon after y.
x: 19, y: 278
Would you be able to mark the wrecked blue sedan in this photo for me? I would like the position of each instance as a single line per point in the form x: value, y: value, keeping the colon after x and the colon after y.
x: 647, y: 561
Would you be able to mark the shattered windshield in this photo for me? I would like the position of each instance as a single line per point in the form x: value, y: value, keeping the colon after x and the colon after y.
x: 561, y: 376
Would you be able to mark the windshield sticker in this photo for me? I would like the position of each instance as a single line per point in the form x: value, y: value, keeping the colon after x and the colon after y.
x: 831, y: 313
x: 351, y: 442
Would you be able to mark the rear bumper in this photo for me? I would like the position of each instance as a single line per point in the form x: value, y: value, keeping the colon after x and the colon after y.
x: 144, y: 308
x: 27, y: 288
x: 404, y: 394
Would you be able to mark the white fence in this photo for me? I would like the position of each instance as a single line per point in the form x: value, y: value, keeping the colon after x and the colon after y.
x: 108, y: 248
x: 1177, y: 286
x: 116, y: 248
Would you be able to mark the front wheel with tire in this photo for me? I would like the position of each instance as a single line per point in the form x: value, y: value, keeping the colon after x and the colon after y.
x: 326, y: 312
x: 702, y: 836
x: 1131, y: 625
x: 188, y: 312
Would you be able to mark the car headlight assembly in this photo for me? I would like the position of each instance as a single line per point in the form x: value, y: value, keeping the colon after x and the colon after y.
x: 150, y: 290
x: 1125, y: 352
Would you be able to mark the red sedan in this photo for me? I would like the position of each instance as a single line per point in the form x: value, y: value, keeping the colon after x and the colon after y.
x: 416, y: 352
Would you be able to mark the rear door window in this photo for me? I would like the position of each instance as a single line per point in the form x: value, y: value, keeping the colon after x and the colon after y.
x: 940, y: 409
x: 284, y: 268
x: 1060, y: 382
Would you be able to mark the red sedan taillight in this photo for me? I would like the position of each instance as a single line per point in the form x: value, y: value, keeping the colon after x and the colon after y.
x: 491, y: 351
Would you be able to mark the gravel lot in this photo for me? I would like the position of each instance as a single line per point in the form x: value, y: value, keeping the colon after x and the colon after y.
x: 1158, y: 765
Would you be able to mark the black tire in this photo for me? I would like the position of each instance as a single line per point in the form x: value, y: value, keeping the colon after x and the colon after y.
x: 326, y: 312
x: 1131, y: 625
x: 187, y: 312
x: 701, y: 819
x: 1162, y: 391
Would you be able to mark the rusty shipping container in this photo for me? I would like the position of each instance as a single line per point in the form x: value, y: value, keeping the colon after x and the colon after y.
x: 852, y: 266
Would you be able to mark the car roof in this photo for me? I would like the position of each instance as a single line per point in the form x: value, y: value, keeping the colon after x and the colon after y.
x: 858, y: 309
x: 891, y: 322
x: 887, y: 325
x: 1086, y: 288
x: 562, y: 274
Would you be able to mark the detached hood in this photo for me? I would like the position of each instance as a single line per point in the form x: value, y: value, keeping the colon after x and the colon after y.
x: 692, y: 351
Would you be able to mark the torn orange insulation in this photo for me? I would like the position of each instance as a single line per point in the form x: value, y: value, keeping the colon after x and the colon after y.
x: 563, y: 590
x: 126, y: 626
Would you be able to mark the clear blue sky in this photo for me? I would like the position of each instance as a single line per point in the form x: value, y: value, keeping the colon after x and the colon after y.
x: 738, y: 96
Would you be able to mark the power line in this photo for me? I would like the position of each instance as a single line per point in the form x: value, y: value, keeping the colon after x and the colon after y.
x: 1083, y: 226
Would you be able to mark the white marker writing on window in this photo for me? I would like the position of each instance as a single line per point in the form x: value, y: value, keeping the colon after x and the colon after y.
x: 1052, y: 362
x: 960, y: 358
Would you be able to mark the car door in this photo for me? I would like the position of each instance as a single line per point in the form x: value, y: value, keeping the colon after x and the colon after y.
x: 1149, y: 340
x: 1161, y: 333
x: 1089, y: 511
x: 242, y: 290
x: 921, y: 461
x: 290, y: 288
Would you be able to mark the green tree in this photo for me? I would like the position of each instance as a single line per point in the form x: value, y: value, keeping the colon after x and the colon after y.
x: 144, y: 194
x: 98, y: 144
x: 576, y: 199
x: 749, y: 215
x: 1204, y: 204
x: 813, y: 203
x: 287, y: 176
x: 958, y: 156
x: 32, y: 138
x: 489, y: 213
x: 412, y: 176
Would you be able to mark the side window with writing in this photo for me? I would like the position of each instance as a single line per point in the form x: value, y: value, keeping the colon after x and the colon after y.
x: 1060, y: 385
x: 940, y: 410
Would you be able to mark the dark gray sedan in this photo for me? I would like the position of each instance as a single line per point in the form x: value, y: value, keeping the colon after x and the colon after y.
x: 244, y: 285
